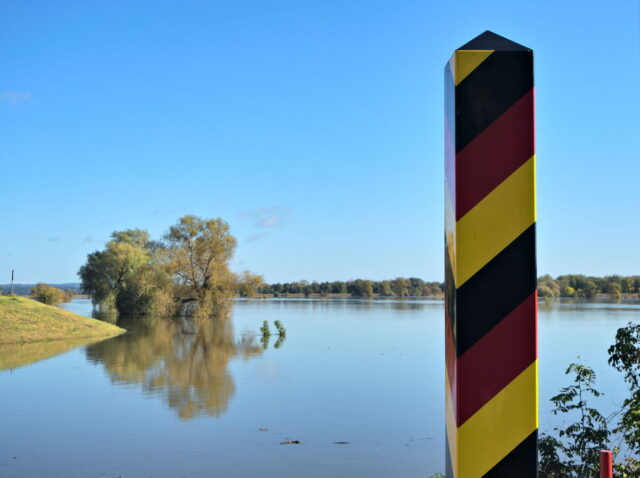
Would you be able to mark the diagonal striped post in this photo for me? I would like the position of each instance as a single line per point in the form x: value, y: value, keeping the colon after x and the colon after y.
x: 490, y: 261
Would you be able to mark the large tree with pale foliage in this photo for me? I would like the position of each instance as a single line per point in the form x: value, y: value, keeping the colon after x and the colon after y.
x: 187, y: 272
x: 197, y: 254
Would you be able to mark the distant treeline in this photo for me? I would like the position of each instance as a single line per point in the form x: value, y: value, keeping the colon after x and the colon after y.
x: 25, y: 289
x: 571, y: 285
x: 578, y: 285
x: 399, y: 287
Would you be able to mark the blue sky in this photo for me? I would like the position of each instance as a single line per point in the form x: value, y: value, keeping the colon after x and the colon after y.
x: 314, y: 128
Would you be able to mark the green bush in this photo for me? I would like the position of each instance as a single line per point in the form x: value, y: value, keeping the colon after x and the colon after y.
x: 50, y: 295
x: 573, y: 451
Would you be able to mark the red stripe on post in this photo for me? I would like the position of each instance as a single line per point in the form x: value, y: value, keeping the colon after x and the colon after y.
x: 606, y: 464
x: 494, y: 361
x: 495, y: 154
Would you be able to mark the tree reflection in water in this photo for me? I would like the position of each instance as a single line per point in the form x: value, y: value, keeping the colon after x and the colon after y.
x: 182, y: 361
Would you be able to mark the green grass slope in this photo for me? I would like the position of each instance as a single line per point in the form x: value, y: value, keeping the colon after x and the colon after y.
x: 25, y: 320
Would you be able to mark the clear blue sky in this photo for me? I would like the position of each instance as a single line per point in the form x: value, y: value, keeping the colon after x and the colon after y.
x: 314, y: 128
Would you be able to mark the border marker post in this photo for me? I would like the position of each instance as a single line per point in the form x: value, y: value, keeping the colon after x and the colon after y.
x: 490, y: 261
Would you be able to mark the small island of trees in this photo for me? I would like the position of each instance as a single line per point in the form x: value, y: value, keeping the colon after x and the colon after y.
x: 186, y: 272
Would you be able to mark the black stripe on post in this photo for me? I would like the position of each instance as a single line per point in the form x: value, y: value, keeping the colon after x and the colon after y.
x: 498, y: 82
x: 495, y: 290
x: 523, y: 457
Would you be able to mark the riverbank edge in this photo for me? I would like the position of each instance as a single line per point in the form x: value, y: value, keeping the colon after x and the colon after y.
x: 24, y: 321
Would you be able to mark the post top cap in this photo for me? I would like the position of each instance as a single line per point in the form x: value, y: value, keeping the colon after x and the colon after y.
x: 492, y: 41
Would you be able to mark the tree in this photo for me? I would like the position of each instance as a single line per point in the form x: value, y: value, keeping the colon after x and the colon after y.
x: 615, y: 290
x: 125, y: 275
x: 578, y: 456
x: 547, y: 287
x: 628, y: 285
x: 324, y: 287
x: 386, y: 289
x: 136, y: 237
x: 415, y: 286
x: 400, y: 287
x: 360, y: 288
x: 198, y: 252
x: 185, y: 273
x: 338, y: 287
x: 590, y: 289
x: 249, y: 284
x: 49, y: 295
x: 624, y: 356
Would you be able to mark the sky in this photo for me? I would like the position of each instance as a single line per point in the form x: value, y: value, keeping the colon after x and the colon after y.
x: 315, y: 129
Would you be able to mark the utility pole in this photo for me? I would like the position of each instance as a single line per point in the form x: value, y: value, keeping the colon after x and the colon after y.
x: 11, y: 281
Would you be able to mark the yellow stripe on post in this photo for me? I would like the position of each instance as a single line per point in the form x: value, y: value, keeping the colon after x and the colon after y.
x: 498, y: 427
x: 495, y: 222
x: 464, y: 62
x: 452, y: 429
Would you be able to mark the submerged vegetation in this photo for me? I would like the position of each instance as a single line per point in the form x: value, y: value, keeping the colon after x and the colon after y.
x: 265, y: 334
x: 282, y: 332
x: 264, y: 330
x: 185, y: 273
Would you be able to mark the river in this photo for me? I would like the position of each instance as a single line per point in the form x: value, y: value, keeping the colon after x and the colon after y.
x: 359, y: 384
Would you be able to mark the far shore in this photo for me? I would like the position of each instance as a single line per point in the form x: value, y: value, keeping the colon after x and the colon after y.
x: 623, y: 297
x: 425, y: 297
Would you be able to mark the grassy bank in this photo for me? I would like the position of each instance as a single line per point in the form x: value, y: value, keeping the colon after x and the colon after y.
x: 25, y: 320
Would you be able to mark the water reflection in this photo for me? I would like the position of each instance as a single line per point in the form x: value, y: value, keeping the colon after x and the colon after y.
x: 600, y: 304
x: 321, y: 305
x: 18, y: 355
x: 266, y: 339
x: 184, y: 362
